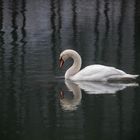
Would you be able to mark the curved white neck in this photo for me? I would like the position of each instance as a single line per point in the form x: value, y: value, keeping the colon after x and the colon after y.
x: 75, y: 67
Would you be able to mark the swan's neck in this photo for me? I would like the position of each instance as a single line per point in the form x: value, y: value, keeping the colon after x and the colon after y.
x: 75, y: 67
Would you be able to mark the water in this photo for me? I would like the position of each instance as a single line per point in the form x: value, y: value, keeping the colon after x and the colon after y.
x: 34, y: 102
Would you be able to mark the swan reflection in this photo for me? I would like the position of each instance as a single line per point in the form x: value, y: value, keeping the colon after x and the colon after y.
x: 103, y: 87
x: 68, y: 103
x: 71, y: 104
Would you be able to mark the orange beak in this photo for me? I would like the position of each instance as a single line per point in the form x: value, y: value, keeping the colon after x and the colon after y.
x: 61, y: 62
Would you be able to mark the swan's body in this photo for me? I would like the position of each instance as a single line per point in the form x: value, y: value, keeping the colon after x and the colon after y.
x: 101, y: 73
x: 92, y: 72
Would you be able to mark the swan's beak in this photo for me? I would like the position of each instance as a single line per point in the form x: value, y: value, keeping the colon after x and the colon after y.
x: 61, y: 62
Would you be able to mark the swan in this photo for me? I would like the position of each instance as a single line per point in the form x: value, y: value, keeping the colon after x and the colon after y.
x: 92, y: 72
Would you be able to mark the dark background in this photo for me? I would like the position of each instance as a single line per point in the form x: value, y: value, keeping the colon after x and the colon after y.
x: 32, y: 35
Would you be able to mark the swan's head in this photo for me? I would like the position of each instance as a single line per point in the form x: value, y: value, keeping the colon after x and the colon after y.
x: 63, y: 57
x: 67, y: 54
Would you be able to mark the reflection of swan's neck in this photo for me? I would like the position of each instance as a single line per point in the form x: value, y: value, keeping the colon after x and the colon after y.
x: 75, y: 67
x: 71, y: 104
x: 75, y: 90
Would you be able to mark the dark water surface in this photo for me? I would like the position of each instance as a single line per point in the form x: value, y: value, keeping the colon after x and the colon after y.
x: 32, y: 35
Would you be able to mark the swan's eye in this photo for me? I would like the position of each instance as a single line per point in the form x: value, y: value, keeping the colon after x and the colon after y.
x: 61, y: 62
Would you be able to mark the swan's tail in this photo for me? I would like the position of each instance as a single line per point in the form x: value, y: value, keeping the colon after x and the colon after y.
x: 127, y: 78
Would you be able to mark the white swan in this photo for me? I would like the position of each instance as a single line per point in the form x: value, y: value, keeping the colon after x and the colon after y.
x: 92, y: 72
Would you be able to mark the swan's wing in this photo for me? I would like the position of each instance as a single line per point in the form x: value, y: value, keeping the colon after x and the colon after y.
x: 95, y: 72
